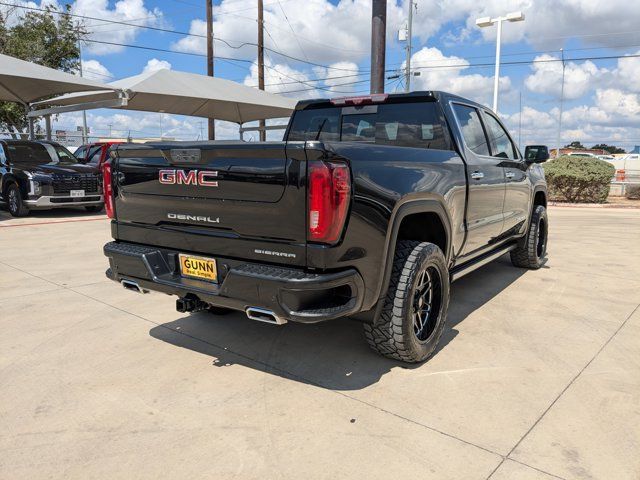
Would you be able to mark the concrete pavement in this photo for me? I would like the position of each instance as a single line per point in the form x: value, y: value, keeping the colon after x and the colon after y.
x: 537, y: 376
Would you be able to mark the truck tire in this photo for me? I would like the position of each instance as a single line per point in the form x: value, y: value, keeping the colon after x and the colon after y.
x: 14, y: 201
x: 415, y: 308
x: 533, y: 246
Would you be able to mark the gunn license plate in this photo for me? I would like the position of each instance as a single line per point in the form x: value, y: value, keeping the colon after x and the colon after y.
x: 77, y: 193
x: 198, y: 267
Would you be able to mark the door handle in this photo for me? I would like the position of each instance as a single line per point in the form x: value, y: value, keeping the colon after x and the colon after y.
x: 510, y: 175
x: 477, y: 175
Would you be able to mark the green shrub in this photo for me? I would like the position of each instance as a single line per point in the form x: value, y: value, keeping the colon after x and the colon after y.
x: 578, y: 179
x: 633, y: 192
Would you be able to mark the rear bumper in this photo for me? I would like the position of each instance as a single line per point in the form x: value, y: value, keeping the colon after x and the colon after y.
x: 291, y: 293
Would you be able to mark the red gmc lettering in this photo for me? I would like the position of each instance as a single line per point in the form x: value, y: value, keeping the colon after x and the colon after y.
x: 191, y: 177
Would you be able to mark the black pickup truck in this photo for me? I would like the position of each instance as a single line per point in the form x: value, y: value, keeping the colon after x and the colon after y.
x: 369, y: 209
x: 41, y: 175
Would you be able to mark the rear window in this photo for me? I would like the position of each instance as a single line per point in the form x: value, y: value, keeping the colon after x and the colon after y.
x: 418, y: 125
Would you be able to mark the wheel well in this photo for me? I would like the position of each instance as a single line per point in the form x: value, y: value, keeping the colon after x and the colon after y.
x: 424, y: 227
x: 540, y: 199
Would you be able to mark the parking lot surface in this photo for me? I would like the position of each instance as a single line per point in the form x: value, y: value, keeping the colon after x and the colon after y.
x: 537, y: 375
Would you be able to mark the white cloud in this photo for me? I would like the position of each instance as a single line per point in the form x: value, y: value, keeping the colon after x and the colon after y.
x: 628, y: 73
x: 94, y: 70
x: 323, y: 32
x: 579, y: 79
x: 283, y: 79
x: 128, y: 11
x: 619, y: 103
x: 447, y: 73
x: 154, y: 65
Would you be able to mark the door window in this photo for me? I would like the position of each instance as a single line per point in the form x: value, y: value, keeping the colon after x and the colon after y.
x: 472, y: 131
x: 501, y: 145
x: 3, y: 157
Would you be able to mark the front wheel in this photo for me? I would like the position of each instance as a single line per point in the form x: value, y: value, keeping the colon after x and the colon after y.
x: 16, y: 204
x: 532, y: 248
x: 415, y: 308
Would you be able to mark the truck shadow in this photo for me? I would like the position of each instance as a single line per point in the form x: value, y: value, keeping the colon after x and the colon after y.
x: 331, y: 355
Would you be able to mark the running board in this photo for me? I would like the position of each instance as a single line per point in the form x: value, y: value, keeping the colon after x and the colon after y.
x: 465, y: 268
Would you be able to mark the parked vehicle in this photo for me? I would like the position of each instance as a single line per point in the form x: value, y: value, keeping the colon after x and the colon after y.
x: 369, y: 209
x: 94, y: 153
x: 583, y: 154
x: 44, y: 175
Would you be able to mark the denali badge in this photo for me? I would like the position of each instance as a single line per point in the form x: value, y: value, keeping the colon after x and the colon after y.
x: 188, y: 177
x: 193, y: 218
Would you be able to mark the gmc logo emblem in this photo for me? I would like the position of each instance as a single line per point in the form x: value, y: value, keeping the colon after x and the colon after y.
x: 191, y: 177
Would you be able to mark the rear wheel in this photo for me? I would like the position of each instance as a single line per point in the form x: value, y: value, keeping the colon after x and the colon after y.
x: 16, y: 204
x: 415, y: 308
x: 532, y: 248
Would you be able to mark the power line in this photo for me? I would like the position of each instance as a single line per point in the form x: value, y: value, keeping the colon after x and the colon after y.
x: 292, y: 30
x: 177, y: 32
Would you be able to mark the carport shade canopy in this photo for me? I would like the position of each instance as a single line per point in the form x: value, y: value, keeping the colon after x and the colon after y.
x: 26, y: 82
x: 183, y: 93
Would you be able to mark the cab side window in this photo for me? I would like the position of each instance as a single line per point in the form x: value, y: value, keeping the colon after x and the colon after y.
x: 501, y: 145
x: 471, y: 127
x: 3, y: 156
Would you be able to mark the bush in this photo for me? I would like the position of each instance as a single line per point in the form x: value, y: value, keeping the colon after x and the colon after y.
x: 633, y: 192
x: 579, y: 179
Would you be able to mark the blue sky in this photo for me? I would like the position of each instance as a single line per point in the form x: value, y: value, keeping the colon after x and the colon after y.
x: 602, y: 97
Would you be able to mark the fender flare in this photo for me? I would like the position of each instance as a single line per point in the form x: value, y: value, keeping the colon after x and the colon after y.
x: 404, y: 209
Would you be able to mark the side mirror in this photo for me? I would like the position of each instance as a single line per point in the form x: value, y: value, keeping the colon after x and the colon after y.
x: 536, y: 153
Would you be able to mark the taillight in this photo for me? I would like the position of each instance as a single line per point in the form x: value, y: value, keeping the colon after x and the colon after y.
x: 107, y: 189
x: 329, y: 193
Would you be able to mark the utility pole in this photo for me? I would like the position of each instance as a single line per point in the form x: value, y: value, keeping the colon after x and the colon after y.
x: 378, y: 44
x: 263, y: 133
x: 561, y: 105
x: 212, y: 122
x: 84, y: 112
x: 407, y: 85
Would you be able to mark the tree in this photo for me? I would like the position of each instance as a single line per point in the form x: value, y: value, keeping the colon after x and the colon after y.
x: 609, y: 148
x: 47, y: 38
x: 575, y: 145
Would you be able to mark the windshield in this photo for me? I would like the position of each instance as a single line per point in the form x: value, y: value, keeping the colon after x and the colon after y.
x: 32, y: 153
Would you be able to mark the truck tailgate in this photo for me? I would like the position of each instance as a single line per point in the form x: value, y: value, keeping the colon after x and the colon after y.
x: 225, y: 198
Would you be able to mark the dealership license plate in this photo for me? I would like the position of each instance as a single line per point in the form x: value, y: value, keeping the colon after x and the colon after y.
x: 198, y: 267
x: 77, y: 193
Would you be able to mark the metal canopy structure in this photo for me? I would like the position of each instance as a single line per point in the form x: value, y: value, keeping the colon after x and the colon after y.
x: 181, y: 93
x: 25, y: 82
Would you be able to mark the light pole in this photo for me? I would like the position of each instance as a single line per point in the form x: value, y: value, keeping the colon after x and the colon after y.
x: 487, y: 22
x: 561, y: 105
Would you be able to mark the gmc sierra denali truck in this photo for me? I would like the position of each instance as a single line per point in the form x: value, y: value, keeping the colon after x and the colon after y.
x: 369, y: 209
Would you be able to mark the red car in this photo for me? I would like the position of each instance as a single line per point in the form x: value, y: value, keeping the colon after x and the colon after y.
x: 94, y: 153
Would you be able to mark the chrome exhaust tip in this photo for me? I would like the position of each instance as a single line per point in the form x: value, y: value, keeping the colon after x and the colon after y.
x: 264, y: 315
x: 133, y: 286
